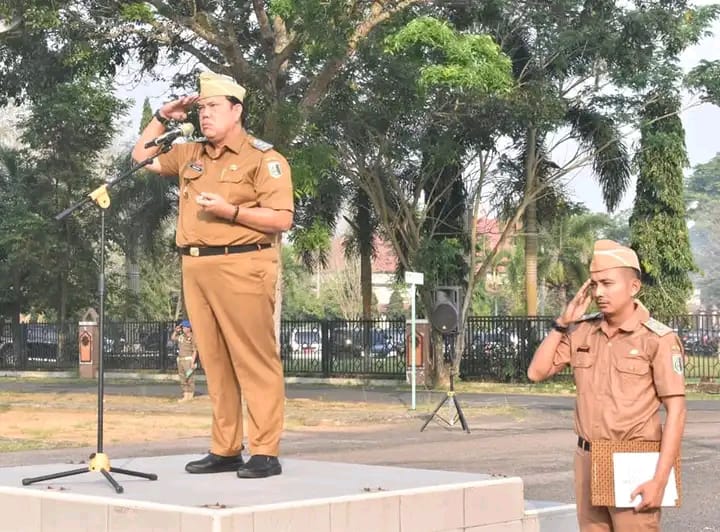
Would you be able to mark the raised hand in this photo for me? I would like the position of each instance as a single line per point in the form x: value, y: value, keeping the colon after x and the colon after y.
x: 177, y: 109
x: 577, y: 306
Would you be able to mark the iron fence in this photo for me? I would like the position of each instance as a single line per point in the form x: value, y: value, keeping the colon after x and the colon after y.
x: 495, y: 348
x: 39, y: 346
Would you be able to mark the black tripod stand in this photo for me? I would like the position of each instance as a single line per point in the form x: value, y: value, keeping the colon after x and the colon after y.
x: 99, y: 461
x: 458, y: 415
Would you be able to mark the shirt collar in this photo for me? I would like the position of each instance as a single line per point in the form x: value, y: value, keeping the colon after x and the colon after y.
x: 633, y: 323
x: 235, y: 142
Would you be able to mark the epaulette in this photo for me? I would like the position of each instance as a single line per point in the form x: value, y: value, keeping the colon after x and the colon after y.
x: 589, y: 317
x: 658, y: 328
x: 261, y: 145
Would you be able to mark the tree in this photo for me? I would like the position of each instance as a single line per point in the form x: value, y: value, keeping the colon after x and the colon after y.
x: 396, y: 306
x: 703, y: 196
x: 399, y: 140
x: 566, y: 55
x: 141, y: 206
x: 658, y: 224
x: 566, y: 250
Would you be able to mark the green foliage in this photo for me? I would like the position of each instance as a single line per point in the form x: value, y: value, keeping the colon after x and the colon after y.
x: 453, y: 60
x: 566, y: 250
x: 136, y: 12
x: 705, y: 79
x: 65, y: 130
x: 659, y: 232
x: 396, y: 306
x: 147, y: 115
x: 703, y: 194
x: 442, y: 259
x: 300, y: 298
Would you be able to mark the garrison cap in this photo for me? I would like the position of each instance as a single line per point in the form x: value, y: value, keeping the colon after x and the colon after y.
x: 609, y: 254
x: 212, y: 84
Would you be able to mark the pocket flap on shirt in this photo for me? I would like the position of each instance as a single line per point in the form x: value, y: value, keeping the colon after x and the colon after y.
x: 191, y: 172
x: 634, y: 366
x: 583, y: 359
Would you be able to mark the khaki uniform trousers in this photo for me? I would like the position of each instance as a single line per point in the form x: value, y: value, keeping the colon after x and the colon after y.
x: 185, y: 364
x: 230, y: 301
x: 603, y: 518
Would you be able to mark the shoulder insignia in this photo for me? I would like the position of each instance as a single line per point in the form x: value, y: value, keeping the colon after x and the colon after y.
x: 590, y: 317
x: 261, y: 145
x: 658, y: 328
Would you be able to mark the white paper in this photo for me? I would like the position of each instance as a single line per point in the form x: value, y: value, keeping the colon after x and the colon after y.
x: 633, y: 469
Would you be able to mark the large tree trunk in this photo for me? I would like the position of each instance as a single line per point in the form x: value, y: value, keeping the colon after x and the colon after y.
x: 531, y: 225
x: 365, y: 237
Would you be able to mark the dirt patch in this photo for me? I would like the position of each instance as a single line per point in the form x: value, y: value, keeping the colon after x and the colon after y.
x: 58, y: 420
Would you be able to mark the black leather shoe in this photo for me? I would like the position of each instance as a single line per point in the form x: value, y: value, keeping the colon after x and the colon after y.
x: 214, y: 463
x: 260, y: 466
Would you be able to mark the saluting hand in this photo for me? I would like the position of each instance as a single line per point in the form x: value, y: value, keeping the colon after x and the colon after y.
x: 215, y: 204
x: 177, y: 109
x: 577, y: 306
x: 651, y: 492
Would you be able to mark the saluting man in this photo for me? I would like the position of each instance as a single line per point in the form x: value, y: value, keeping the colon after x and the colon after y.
x: 236, y: 199
x: 626, y: 365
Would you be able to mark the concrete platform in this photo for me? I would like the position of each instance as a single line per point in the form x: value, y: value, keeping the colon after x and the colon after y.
x: 310, y: 496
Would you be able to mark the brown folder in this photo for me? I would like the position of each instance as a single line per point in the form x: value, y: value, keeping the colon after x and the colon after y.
x: 602, y: 484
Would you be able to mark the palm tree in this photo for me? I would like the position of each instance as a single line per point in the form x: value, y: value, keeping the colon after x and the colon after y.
x: 140, y: 208
x: 535, y: 174
x: 566, y: 249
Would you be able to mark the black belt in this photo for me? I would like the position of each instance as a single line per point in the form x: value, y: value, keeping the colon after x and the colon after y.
x: 583, y: 443
x: 194, y: 251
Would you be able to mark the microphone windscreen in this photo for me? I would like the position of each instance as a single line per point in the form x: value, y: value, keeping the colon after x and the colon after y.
x: 187, y: 129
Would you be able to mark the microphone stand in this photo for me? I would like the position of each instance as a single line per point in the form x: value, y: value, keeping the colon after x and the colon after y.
x: 99, y: 461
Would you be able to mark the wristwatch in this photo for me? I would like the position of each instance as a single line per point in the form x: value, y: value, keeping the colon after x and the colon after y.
x: 559, y: 328
x: 160, y: 118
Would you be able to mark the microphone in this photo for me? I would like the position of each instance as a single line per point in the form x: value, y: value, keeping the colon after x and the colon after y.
x: 183, y: 130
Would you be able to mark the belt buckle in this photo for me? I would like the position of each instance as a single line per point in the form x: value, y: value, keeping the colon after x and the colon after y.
x: 194, y: 252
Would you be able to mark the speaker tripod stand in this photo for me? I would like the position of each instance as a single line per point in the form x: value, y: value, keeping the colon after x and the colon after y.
x: 99, y: 461
x: 451, y: 399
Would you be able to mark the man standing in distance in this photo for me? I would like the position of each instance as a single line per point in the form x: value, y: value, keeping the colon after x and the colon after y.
x: 236, y: 199
x: 625, y: 365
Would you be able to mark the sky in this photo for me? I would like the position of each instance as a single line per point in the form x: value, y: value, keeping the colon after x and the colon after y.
x: 701, y: 121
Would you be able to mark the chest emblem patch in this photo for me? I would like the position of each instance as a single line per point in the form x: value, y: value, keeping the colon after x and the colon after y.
x: 275, y: 169
x: 233, y: 167
x: 677, y: 363
x: 634, y: 352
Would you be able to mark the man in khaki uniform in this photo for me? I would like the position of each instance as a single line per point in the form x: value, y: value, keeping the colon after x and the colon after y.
x: 186, y: 359
x: 236, y: 199
x: 625, y: 365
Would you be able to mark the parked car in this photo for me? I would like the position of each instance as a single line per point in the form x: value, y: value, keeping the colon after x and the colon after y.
x: 306, y: 344
x: 41, y: 345
x: 346, y: 342
x: 382, y: 344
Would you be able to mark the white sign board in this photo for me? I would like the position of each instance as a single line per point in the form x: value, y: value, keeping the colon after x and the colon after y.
x: 414, y: 277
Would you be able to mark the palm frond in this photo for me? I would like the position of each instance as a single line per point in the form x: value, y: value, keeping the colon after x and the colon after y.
x: 611, y: 162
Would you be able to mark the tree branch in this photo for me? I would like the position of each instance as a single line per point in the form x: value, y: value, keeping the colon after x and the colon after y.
x: 266, y: 31
x: 319, y: 84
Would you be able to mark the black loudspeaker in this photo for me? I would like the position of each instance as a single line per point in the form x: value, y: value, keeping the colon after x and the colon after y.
x: 445, y: 313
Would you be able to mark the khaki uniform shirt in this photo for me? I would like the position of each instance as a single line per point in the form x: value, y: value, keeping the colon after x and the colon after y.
x: 246, y: 172
x: 620, y: 380
x: 186, y: 346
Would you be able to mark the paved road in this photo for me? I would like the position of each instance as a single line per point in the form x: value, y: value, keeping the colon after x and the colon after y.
x: 534, y: 441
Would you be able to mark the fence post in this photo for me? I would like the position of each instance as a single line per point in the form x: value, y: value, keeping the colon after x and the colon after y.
x: 163, y: 346
x: 326, y: 356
